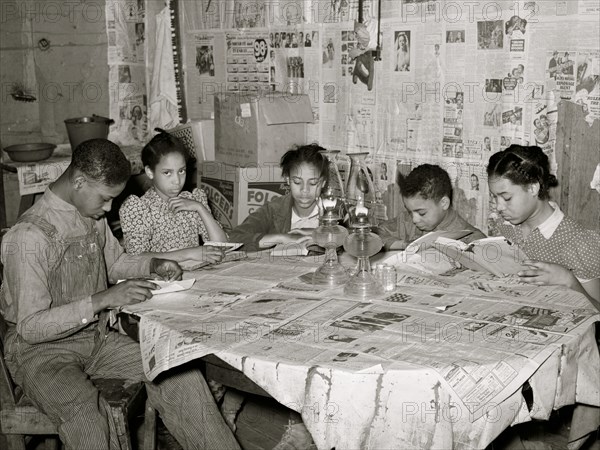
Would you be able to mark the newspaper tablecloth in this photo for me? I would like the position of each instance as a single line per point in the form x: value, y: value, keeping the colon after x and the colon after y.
x: 438, y: 363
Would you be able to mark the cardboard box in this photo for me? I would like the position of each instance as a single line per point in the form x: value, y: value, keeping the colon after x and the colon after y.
x: 253, y: 129
x: 234, y: 192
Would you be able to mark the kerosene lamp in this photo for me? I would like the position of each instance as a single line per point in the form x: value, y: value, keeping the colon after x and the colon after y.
x: 362, y: 243
x: 330, y: 236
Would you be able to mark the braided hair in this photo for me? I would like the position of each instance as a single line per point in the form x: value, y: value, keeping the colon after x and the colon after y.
x: 161, y: 145
x: 310, y: 154
x: 523, y: 166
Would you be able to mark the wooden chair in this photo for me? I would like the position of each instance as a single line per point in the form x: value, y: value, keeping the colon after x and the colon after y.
x: 20, y: 418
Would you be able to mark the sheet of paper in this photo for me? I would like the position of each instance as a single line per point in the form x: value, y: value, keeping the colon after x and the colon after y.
x: 228, y: 246
x: 169, y: 286
x: 172, y: 286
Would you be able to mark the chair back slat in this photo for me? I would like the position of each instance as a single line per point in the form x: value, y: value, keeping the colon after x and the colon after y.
x: 7, y: 392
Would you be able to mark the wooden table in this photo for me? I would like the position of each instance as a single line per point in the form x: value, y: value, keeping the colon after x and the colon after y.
x: 440, y: 363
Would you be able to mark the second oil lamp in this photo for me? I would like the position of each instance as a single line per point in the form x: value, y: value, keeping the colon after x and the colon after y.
x: 362, y: 243
x: 330, y: 236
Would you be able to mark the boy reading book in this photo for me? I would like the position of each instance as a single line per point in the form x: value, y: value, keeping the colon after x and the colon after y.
x: 427, y: 196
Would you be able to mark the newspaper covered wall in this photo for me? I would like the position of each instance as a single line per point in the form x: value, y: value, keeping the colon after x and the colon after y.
x: 456, y: 82
x: 127, y: 37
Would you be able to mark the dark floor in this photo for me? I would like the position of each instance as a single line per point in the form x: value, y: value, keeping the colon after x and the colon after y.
x: 260, y: 425
x: 552, y: 434
x: 262, y: 422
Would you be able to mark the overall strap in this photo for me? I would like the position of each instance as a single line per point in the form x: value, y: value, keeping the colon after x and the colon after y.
x: 47, y: 228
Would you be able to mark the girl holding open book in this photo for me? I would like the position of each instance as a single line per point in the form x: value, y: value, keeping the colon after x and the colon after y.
x: 561, y: 251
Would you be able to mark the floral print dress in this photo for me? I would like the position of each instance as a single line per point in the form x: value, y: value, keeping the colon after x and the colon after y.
x: 150, y: 226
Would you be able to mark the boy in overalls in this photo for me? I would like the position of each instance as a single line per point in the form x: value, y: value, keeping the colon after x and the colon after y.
x: 57, y: 261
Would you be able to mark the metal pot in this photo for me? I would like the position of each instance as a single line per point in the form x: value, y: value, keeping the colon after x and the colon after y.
x: 81, y: 129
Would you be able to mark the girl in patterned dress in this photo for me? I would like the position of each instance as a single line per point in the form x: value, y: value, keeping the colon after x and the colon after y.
x: 562, y: 251
x: 167, y: 221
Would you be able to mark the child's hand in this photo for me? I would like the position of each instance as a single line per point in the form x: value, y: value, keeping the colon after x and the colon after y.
x: 205, y: 253
x: 398, y: 245
x: 126, y: 293
x: 178, y: 204
x: 543, y: 273
x: 166, y: 269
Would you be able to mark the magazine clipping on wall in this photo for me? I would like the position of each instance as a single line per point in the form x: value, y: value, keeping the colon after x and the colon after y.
x: 360, y: 127
x: 452, y: 144
x: 561, y: 69
x: 247, y: 60
x: 515, y: 30
x: 470, y: 196
x: 587, y: 84
x: 349, y: 43
x: 490, y: 35
x: 205, y: 55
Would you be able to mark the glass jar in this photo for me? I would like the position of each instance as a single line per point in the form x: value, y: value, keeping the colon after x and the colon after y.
x: 388, y: 278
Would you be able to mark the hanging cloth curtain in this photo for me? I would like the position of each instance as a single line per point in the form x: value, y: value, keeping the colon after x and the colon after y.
x: 163, y: 91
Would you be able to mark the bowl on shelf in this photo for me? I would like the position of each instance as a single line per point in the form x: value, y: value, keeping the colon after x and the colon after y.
x: 30, y: 152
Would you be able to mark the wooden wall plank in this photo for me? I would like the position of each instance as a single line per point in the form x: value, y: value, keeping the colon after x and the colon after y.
x: 577, y: 154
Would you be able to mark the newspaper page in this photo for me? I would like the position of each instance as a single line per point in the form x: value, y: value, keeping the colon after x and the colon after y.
x: 247, y: 64
x: 128, y: 103
x: 35, y: 177
x: 126, y: 32
x: 588, y: 7
x: 202, y: 52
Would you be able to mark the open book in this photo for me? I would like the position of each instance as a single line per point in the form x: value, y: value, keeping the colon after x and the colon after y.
x: 427, y: 240
x: 496, y: 255
x: 296, y: 249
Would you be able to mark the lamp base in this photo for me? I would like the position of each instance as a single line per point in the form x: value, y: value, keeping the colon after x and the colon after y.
x: 330, y: 275
x: 364, y: 286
